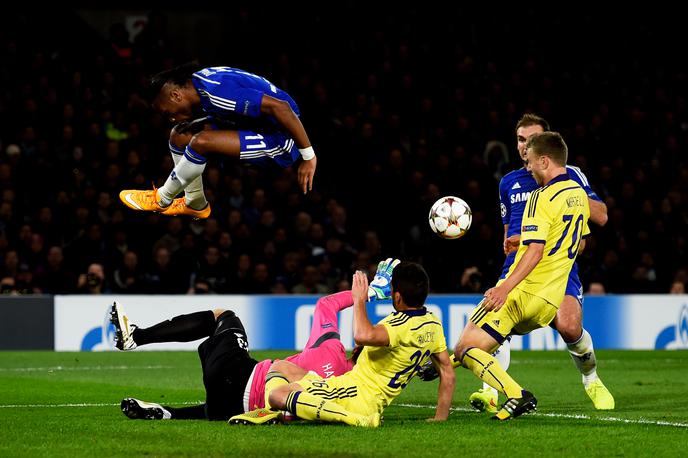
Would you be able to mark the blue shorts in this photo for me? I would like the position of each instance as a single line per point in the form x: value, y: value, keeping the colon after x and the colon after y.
x: 573, y: 286
x: 264, y: 148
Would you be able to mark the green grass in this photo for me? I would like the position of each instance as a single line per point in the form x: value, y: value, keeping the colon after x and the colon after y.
x: 35, y: 387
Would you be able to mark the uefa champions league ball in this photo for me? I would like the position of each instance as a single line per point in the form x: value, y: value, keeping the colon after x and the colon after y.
x: 450, y: 217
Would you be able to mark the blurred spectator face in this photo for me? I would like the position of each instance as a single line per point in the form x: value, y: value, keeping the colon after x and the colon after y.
x: 225, y: 240
x: 677, y: 287
x: 302, y: 223
x: 291, y: 262
x: 244, y: 263
x: 212, y: 256
x: 260, y: 273
x: 11, y: 260
x: 596, y: 289
x: 267, y: 218
x: 311, y: 276
x: 279, y: 288
x: 130, y: 260
x: 36, y: 243
x: 55, y: 256
x: 162, y: 257
x: 343, y: 285
x: 7, y: 286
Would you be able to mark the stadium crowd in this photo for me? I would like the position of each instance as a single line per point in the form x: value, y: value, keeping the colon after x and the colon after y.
x: 400, y: 115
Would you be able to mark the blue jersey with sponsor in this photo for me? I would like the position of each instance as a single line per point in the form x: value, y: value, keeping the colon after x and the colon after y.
x: 233, y: 95
x: 514, y: 190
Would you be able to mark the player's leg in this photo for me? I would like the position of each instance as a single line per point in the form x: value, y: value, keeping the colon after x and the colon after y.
x: 142, y: 410
x: 182, y: 328
x: 227, y: 367
x: 488, y: 329
x: 310, y: 400
x: 474, y: 352
x: 325, y: 321
x: 191, y: 165
x: 569, y: 323
x: 486, y: 399
x: 180, y: 136
x: 281, y: 373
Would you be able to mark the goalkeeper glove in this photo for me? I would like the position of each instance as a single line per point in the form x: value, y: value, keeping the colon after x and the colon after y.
x: 381, y: 286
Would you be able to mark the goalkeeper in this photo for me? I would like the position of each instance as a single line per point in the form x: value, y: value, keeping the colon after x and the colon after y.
x: 234, y: 381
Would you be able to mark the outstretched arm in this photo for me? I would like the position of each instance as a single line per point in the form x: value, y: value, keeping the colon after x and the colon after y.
x: 446, y: 388
x: 598, y: 212
x: 283, y: 113
x: 364, y: 331
x: 495, y: 297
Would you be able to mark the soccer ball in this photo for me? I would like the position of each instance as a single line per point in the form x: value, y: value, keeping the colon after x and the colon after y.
x: 450, y: 217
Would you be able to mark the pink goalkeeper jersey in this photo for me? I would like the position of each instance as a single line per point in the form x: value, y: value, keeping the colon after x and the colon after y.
x: 323, y: 354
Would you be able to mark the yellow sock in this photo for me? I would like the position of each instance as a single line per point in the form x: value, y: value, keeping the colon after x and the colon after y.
x: 273, y: 379
x: 310, y: 407
x: 487, y: 368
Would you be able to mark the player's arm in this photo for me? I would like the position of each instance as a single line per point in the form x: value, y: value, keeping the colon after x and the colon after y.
x: 365, y: 333
x: 505, y: 209
x: 443, y: 364
x: 598, y: 209
x: 282, y: 112
x: 495, y: 297
x: 598, y: 212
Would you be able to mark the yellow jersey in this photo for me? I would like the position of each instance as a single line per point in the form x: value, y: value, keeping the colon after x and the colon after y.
x: 383, y: 372
x: 557, y: 216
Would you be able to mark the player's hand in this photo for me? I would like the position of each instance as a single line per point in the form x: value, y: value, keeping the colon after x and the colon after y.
x: 494, y: 298
x: 511, y: 243
x: 381, y: 286
x: 359, y: 287
x: 306, y: 173
x: 427, y: 372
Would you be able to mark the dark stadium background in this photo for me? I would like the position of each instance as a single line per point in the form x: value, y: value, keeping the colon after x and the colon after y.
x: 402, y: 104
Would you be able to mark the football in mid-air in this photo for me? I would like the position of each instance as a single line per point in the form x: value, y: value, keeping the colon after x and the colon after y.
x: 450, y: 217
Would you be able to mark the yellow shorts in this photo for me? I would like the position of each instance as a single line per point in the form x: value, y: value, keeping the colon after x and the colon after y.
x: 344, y: 390
x: 521, y: 313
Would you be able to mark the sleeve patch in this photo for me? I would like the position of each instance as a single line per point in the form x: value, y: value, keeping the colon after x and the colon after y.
x: 530, y: 228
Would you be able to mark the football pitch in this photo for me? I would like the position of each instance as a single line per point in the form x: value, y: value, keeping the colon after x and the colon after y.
x: 67, y: 404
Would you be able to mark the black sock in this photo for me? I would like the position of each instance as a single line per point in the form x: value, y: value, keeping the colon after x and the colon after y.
x: 182, y: 328
x: 187, y: 413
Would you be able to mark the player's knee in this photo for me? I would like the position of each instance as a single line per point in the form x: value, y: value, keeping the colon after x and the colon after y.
x: 278, y: 397
x: 569, y: 331
x: 179, y: 139
x: 201, y: 143
x: 459, y: 351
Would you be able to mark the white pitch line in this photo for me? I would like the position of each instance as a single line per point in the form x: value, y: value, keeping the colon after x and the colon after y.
x: 42, y: 406
x: 639, y: 421
x: 79, y: 368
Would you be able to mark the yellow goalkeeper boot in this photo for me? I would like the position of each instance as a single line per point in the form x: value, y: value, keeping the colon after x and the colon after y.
x: 257, y: 417
x: 484, y: 400
x: 602, y: 399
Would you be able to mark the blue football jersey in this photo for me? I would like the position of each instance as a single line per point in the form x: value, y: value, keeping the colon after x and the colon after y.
x: 230, y: 94
x: 515, y: 188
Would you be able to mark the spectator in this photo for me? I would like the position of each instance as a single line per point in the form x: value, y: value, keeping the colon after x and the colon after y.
x: 677, y: 287
x: 93, y: 281
x: 596, y: 289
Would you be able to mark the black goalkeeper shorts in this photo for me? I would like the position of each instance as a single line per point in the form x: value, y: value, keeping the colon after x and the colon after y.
x: 227, y: 367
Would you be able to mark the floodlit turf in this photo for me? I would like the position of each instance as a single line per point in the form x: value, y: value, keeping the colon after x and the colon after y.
x: 67, y: 404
